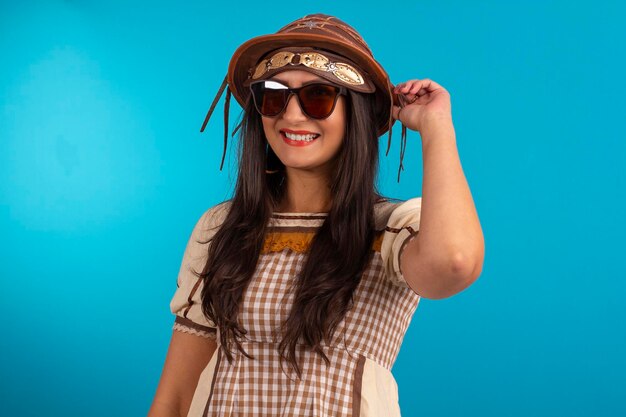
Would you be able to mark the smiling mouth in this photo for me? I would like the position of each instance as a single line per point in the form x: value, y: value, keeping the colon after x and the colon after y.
x: 297, y: 139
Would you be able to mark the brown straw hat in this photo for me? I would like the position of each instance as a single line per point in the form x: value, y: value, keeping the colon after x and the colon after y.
x: 323, y: 45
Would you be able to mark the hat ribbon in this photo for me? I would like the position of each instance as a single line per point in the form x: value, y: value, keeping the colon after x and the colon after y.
x: 346, y: 73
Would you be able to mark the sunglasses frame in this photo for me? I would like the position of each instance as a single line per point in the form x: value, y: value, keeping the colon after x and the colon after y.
x: 296, y: 92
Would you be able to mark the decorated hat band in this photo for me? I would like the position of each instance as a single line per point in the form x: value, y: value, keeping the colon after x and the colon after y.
x: 344, y: 72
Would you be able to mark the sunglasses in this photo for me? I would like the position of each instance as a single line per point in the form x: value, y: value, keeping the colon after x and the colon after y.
x: 317, y: 100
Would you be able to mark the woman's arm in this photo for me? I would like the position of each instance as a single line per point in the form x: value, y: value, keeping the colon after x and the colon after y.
x: 187, y: 356
x: 447, y: 254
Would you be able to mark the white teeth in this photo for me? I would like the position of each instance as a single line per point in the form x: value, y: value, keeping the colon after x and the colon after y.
x: 306, y: 138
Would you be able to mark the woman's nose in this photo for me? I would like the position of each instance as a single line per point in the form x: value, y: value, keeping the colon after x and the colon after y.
x: 293, y: 110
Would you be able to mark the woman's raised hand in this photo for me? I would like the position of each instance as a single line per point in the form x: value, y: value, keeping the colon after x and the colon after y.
x: 423, y: 101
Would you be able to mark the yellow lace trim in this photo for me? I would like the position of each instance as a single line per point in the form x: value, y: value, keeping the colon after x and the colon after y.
x: 378, y: 241
x: 300, y: 241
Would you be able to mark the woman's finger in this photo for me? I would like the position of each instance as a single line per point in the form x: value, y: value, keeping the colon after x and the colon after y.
x: 430, y: 85
x: 404, y: 87
x: 422, y: 85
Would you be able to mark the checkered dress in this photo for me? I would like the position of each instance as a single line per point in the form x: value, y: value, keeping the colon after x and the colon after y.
x: 358, y: 382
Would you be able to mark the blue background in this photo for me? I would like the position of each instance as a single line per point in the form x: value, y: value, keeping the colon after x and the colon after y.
x: 103, y: 173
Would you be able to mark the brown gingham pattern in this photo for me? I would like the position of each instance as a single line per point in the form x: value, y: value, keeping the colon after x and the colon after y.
x: 260, y: 387
x: 374, y: 328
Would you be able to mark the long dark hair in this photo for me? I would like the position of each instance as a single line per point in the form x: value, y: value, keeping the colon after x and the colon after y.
x: 324, y: 289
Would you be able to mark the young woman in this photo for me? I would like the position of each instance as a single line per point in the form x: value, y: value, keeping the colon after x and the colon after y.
x: 294, y: 296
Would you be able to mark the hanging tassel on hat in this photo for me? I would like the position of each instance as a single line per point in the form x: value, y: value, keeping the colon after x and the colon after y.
x: 215, y: 100
x: 402, y: 138
x: 226, y: 113
x: 402, y: 149
x: 390, y: 124
x: 226, y: 110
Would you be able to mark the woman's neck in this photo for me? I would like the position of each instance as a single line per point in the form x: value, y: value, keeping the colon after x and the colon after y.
x: 306, y: 193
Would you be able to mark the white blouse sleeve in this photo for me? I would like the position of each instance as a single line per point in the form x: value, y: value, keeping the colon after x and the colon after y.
x: 402, y: 227
x: 186, y: 304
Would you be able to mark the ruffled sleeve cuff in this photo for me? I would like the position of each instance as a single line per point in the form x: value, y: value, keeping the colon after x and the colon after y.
x: 402, y: 227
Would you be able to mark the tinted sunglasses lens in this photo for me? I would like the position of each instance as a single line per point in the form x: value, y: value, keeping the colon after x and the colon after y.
x: 318, y: 100
x: 269, y: 97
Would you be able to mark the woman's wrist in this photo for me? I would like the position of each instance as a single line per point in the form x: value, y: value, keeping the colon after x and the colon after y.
x: 436, y: 126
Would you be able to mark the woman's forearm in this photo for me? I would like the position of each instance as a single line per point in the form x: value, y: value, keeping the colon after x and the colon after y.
x: 159, y: 409
x: 450, y: 230
x: 447, y: 254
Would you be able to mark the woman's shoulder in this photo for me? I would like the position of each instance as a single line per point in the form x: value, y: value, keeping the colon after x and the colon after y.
x: 211, y: 220
x: 218, y: 212
x: 385, y: 207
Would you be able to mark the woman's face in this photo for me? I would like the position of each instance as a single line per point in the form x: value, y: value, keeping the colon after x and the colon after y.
x: 317, y: 155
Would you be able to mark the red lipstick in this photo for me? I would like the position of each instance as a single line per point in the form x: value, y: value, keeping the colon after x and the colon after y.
x: 298, y: 132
